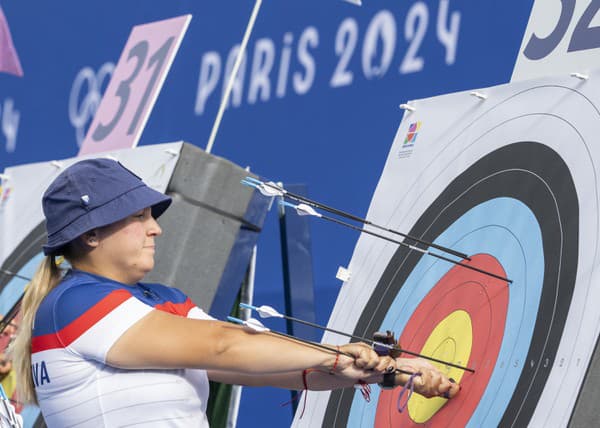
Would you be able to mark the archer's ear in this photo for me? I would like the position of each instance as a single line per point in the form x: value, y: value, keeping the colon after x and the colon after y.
x: 90, y: 239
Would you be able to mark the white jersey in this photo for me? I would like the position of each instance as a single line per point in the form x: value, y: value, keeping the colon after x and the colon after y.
x: 76, y: 325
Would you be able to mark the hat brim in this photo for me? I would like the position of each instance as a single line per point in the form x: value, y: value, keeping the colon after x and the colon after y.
x: 111, y: 212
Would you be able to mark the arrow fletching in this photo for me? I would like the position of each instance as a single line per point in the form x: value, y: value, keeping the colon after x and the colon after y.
x: 263, y: 311
x: 303, y: 209
x: 267, y: 312
x: 251, y: 323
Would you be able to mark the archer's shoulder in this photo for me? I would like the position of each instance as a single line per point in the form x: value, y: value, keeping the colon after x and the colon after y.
x: 172, y: 294
x: 77, y: 293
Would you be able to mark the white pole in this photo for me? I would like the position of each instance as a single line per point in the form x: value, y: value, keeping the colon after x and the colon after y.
x: 234, y: 71
x: 246, y: 297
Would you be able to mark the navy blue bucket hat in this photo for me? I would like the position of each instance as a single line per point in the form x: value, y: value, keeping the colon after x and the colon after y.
x: 91, y: 194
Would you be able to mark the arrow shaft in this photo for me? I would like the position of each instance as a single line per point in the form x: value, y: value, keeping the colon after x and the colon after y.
x: 412, y: 247
x: 364, y: 339
x: 298, y: 339
x: 437, y: 360
x: 310, y: 343
x: 315, y: 204
x: 313, y: 344
x: 474, y: 268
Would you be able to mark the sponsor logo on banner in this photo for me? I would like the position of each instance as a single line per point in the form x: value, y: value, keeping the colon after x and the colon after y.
x: 410, y: 139
x: 411, y: 135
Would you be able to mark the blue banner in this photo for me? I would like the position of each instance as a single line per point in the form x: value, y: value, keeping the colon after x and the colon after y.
x: 316, y: 101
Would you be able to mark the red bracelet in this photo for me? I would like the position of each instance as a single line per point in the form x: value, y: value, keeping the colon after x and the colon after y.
x: 304, y: 373
x: 337, y: 359
x: 365, y: 388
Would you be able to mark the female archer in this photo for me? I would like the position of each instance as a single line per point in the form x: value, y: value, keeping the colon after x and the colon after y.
x: 98, y: 347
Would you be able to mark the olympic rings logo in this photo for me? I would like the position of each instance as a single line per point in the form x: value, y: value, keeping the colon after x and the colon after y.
x: 85, y: 97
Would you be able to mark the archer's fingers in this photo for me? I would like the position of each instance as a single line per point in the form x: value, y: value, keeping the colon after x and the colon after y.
x: 449, y: 389
x: 367, y: 359
x: 427, y: 384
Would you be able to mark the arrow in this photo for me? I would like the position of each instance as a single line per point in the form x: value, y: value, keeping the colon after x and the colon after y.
x: 302, y: 210
x: 272, y: 189
x: 259, y: 327
x: 269, y: 191
x: 269, y: 312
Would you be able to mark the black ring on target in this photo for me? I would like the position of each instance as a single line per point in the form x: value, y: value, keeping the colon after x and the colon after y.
x: 523, y: 171
x: 30, y: 247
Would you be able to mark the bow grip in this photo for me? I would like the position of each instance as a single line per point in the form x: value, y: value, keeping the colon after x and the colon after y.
x: 386, y: 338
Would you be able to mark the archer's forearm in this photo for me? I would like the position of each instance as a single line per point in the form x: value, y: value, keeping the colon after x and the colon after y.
x: 316, y: 380
x: 162, y: 340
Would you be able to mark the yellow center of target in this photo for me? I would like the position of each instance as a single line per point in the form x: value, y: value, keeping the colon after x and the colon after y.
x: 451, y: 340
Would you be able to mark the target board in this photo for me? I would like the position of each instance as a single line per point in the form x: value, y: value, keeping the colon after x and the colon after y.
x: 511, y: 180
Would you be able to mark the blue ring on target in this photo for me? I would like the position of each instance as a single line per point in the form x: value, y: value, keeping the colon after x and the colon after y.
x: 14, y: 288
x: 507, y: 229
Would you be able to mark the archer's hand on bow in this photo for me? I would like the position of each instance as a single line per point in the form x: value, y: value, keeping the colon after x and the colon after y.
x: 366, y: 365
x: 431, y: 383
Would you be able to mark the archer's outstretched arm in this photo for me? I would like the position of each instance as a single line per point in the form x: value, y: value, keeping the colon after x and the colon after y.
x: 316, y: 381
x: 163, y: 340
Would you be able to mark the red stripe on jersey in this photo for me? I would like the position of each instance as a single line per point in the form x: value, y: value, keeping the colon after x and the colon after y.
x: 176, y: 308
x: 75, y: 329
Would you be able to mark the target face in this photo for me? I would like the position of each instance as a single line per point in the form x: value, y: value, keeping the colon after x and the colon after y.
x: 512, y: 182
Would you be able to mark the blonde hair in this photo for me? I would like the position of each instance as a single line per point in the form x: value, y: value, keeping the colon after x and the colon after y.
x: 47, y: 277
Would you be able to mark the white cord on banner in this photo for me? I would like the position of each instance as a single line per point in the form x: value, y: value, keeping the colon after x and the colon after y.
x: 234, y: 71
x: 580, y: 76
x: 479, y: 95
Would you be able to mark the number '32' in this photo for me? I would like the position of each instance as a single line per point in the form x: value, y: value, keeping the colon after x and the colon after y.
x: 584, y: 37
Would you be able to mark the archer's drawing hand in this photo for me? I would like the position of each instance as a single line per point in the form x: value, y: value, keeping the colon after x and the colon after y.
x: 432, y: 382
